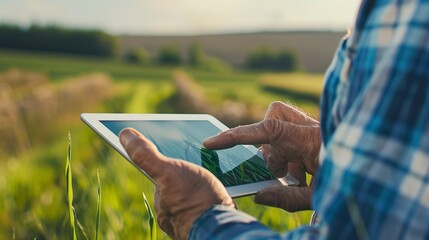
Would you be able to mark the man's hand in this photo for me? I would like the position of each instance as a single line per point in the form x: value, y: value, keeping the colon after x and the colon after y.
x: 291, y: 143
x: 183, y: 190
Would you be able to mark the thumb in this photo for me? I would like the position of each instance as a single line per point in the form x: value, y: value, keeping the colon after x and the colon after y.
x: 143, y: 153
x: 291, y: 199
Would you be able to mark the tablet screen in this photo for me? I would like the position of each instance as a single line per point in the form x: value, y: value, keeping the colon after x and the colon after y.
x: 183, y: 139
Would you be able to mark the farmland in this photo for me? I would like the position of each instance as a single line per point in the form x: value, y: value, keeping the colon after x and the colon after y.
x: 314, y: 49
x: 32, y: 183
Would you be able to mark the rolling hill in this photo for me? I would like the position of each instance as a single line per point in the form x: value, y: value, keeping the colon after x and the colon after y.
x: 314, y: 48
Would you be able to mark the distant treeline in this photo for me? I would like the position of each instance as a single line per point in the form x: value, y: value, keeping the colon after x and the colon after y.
x: 58, y: 39
x: 260, y: 59
x: 264, y: 58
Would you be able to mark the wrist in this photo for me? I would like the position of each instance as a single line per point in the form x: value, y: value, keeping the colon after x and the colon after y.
x: 189, y: 220
x: 213, y: 218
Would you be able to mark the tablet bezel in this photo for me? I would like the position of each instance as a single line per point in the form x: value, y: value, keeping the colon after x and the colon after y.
x: 93, y: 120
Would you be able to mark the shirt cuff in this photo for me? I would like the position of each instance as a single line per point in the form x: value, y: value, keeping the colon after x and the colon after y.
x: 223, y: 222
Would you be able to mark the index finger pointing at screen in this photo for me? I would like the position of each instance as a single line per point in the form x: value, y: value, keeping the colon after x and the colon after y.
x: 258, y: 133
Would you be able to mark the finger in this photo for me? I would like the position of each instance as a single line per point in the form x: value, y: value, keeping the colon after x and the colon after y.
x: 249, y: 134
x: 268, y: 131
x: 289, y: 113
x: 277, y: 164
x: 163, y: 218
x: 266, y: 150
x: 291, y: 199
x: 144, y: 153
x: 278, y: 167
x: 297, y: 170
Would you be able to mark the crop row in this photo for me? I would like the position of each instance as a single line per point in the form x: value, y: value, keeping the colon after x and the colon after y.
x: 190, y: 97
x: 31, y: 108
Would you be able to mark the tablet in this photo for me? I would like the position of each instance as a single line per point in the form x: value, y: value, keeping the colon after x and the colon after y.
x: 240, y: 168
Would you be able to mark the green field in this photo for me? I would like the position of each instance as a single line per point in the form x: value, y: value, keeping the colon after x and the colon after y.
x: 32, y: 183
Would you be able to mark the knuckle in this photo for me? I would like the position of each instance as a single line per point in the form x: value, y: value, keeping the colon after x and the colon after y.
x: 273, y: 109
x: 277, y: 169
x: 283, y: 201
x: 272, y: 128
x: 139, y: 156
x: 164, y: 223
x: 139, y: 151
x: 276, y: 105
x: 231, y: 134
x: 227, y: 136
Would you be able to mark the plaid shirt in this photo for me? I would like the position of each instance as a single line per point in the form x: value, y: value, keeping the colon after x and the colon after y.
x: 374, y: 170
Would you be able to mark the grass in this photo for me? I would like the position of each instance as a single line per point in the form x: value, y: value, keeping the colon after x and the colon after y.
x: 74, y: 222
x: 98, y: 214
x: 306, y: 84
x: 303, y: 90
x: 32, y: 199
x: 151, y: 219
x: 259, y: 90
x: 61, y: 66
x: 69, y: 195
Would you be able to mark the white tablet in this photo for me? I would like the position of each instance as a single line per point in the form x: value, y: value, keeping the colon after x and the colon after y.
x: 240, y: 168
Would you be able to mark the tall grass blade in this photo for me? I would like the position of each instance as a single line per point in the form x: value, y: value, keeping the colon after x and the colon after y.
x: 151, y: 218
x: 69, y: 192
x: 97, y: 218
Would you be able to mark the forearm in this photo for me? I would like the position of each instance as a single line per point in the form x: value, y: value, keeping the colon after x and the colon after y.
x: 220, y: 222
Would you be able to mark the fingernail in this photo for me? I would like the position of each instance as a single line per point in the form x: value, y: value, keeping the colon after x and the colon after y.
x: 127, y: 135
x: 209, y: 140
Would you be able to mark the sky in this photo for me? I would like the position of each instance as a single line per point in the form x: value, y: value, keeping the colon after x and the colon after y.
x: 183, y: 17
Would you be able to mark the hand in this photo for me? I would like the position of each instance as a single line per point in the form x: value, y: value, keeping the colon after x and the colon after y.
x: 183, y: 190
x: 291, y: 143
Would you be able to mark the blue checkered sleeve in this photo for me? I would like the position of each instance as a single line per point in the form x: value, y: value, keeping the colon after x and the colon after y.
x: 220, y: 222
x: 373, y: 180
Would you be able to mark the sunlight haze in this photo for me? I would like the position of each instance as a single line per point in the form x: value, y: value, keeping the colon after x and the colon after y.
x: 166, y: 17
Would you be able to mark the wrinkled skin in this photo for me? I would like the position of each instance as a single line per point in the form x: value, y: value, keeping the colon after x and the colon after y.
x: 183, y: 190
x: 291, y: 143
